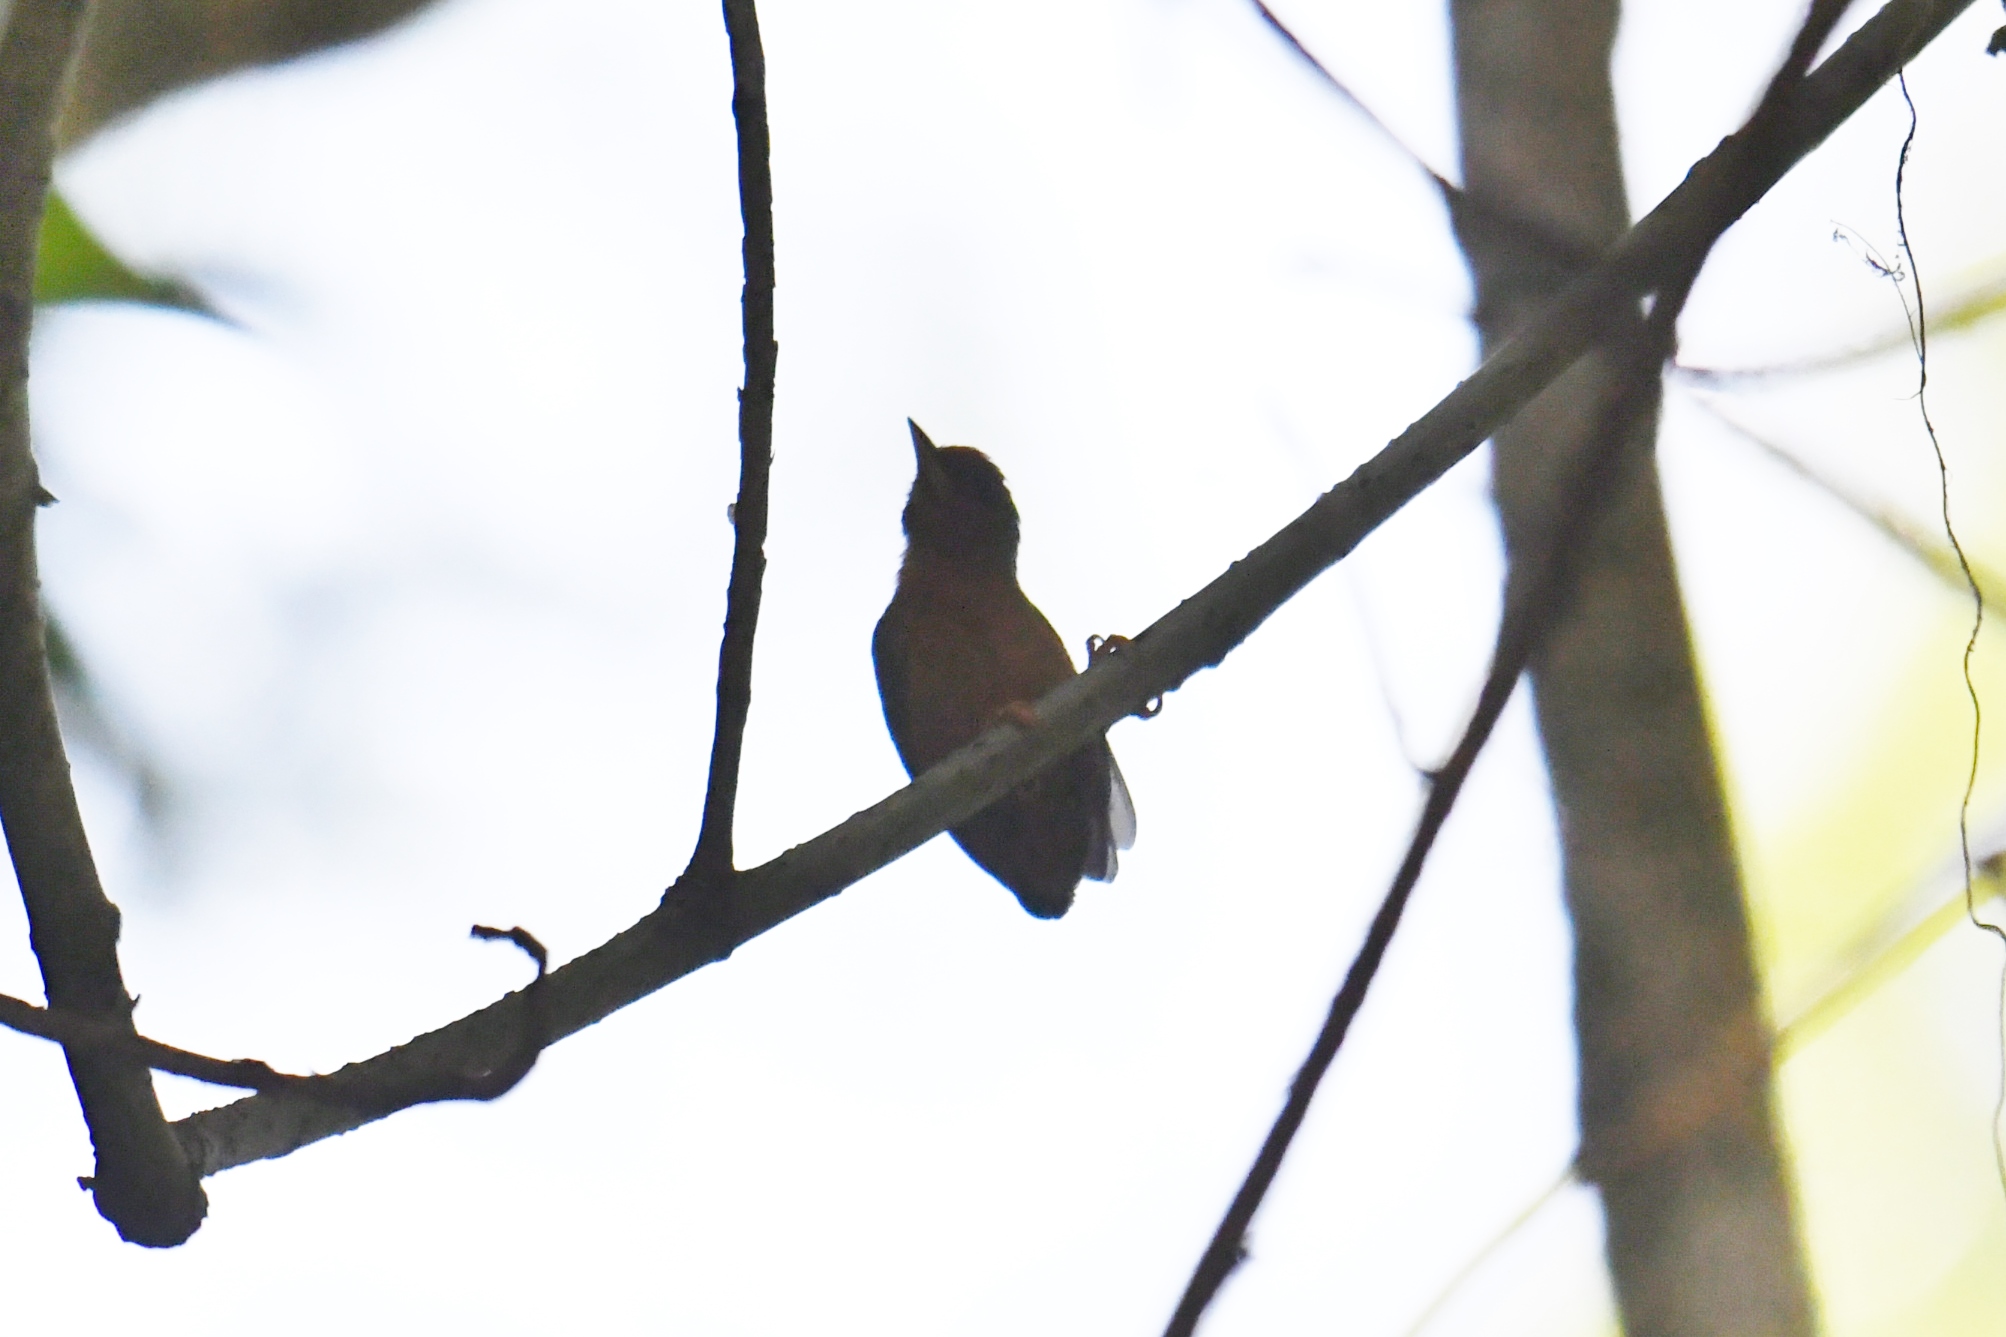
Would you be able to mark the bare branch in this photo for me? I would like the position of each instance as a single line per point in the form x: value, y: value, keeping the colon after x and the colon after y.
x: 79, y: 1032
x: 1554, y: 246
x: 143, y: 1183
x: 1357, y: 103
x: 713, y: 855
x: 698, y: 922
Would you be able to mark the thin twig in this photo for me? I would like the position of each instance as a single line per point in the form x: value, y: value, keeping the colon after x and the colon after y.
x: 713, y: 855
x: 143, y: 1183
x: 1497, y: 1241
x: 1549, y: 243
x: 698, y: 924
x: 1357, y: 103
x: 251, y: 1074
x: 86, y: 1033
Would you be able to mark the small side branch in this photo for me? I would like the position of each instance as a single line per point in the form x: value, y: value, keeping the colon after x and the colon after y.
x: 143, y: 1183
x: 697, y: 923
x: 85, y: 1033
x: 1553, y: 246
x: 713, y: 856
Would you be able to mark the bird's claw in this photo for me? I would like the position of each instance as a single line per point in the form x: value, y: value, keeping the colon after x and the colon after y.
x: 1106, y: 647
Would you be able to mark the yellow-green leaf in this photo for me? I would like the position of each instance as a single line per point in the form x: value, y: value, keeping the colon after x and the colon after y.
x: 72, y: 265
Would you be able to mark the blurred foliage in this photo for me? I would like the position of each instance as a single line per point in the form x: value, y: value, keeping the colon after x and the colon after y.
x: 1887, y: 951
x: 72, y: 265
x: 87, y: 720
x: 66, y: 670
x: 1972, y: 305
x: 1970, y: 308
x: 137, y: 50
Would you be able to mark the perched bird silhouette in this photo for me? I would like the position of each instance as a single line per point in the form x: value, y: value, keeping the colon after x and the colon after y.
x: 960, y: 649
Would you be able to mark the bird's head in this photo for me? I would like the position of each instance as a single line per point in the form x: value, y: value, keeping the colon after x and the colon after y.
x: 960, y: 508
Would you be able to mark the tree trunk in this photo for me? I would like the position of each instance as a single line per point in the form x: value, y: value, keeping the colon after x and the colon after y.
x: 1677, y: 1130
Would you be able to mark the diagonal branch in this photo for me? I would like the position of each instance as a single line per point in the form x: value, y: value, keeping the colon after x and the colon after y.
x: 713, y: 856
x: 1358, y: 104
x: 697, y: 923
x: 143, y: 1183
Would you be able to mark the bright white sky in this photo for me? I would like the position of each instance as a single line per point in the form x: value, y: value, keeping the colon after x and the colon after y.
x: 410, y: 581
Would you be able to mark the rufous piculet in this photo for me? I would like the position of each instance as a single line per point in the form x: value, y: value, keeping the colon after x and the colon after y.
x: 961, y: 649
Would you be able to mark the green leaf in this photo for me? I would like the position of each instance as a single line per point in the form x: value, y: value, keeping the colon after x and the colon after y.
x: 72, y: 265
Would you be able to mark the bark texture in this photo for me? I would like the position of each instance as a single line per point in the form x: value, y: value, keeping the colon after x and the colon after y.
x: 1677, y: 1126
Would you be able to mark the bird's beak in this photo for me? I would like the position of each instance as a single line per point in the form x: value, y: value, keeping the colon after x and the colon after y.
x: 925, y: 454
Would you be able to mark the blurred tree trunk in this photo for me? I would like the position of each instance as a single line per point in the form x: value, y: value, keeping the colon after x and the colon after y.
x: 1677, y: 1130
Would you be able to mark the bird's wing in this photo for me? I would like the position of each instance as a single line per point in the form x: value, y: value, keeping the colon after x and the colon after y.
x: 888, y: 656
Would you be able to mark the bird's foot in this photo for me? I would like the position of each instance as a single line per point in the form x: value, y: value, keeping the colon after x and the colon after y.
x: 1106, y: 647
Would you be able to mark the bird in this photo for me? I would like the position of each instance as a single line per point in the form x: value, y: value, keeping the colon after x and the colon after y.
x: 961, y: 648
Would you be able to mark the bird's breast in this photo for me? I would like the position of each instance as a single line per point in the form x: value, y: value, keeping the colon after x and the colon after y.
x: 969, y: 646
